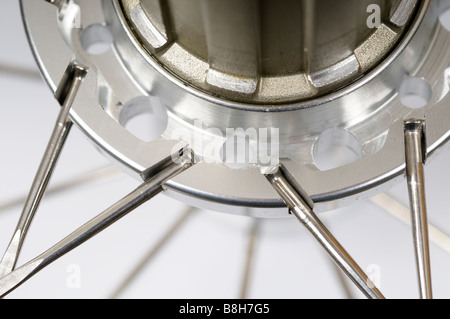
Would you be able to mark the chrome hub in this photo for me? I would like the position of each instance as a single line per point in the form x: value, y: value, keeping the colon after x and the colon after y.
x: 246, y: 107
x: 362, y: 120
x: 269, y: 52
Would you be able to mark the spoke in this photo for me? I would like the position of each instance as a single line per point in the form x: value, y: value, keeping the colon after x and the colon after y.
x: 305, y: 214
x: 141, y: 194
x: 153, y: 252
x: 20, y: 71
x: 248, y: 266
x: 344, y: 282
x: 414, y: 158
x: 78, y: 181
x: 44, y: 173
x: 402, y: 213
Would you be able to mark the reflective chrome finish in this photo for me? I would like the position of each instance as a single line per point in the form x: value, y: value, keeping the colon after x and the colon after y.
x: 140, y: 195
x: 45, y: 170
x: 401, y: 212
x: 272, y: 51
x: 213, y: 62
x: 368, y: 109
x: 415, y: 153
x: 305, y: 214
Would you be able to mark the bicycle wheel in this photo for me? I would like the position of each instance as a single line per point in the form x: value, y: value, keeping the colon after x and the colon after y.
x: 378, y: 255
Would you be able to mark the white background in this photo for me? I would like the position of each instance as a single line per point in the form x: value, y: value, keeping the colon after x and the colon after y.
x: 205, y: 259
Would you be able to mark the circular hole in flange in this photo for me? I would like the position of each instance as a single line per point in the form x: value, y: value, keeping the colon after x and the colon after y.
x: 144, y: 117
x: 96, y: 39
x: 335, y: 148
x: 444, y: 15
x: 415, y: 93
x: 237, y: 151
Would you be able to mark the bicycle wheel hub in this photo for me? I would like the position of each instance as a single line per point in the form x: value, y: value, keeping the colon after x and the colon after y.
x: 323, y: 85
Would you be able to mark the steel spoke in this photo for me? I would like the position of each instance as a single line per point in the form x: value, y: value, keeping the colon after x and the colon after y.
x: 45, y: 170
x: 69, y: 184
x: 305, y: 214
x: 141, y: 194
x: 20, y: 71
x: 345, y: 284
x: 402, y: 213
x: 248, y: 266
x: 153, y: 252
x: 414, y: 159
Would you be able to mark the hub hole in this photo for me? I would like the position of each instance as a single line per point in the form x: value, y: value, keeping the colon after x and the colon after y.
x: 335, y: 148
x: 237, y: 152
x: 415, y: 93
x: 96, y: 39
x: 144, y: 117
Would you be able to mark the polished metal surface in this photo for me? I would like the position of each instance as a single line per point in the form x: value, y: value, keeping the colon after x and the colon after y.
x: 344, y: 281
x: 126, y: 71
x: 268, y: 51
x: 140, y: 195
x: 45, y: 171
x: 295, y: 83
x: 304, y: 213
x: 414, y: 159
x: 403, y: 213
